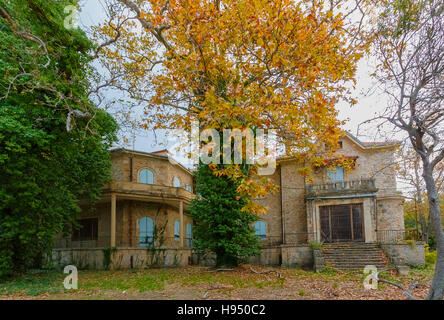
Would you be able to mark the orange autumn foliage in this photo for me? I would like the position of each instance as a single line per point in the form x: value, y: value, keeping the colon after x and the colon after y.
x: 269, y: 64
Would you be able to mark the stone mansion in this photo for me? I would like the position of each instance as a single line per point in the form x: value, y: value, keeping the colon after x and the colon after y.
x: 146, y: 206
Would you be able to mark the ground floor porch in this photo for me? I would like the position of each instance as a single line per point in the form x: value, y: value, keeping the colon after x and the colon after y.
x: 131, y: 220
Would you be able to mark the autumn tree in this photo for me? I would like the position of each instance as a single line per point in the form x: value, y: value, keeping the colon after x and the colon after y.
x: 263, y: 64
x: 410, y: 49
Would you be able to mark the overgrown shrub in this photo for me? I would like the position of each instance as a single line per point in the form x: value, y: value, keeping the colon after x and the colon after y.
x: 220, y: 224
x: 430, y: 256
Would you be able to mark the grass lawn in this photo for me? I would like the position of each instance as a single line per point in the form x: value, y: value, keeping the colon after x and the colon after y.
x: 203, y: 283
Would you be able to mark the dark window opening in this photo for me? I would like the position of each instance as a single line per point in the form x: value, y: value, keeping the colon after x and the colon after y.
x: 342, y: 223
x: 88, y: 230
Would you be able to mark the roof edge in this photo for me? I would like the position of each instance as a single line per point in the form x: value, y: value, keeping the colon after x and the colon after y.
x: 149, y: 154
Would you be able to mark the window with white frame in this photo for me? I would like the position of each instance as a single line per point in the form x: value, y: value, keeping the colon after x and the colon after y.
x: 176, y: 182
x: 189, y: 188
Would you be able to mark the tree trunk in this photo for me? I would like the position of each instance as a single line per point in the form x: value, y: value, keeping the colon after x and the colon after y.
x: 420, y: 202
x: 437, y: 289
x: 424, y: 227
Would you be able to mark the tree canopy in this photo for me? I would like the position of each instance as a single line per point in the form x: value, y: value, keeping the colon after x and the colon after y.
x: 54, y: 142
x: 265, y: 64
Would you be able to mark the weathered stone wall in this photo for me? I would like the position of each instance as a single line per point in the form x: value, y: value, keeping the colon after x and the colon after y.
x: 122, y: 258
x: 81, y: 258
x: 293, y: 203
x: 377, y: 163
x: 128, y: 213
x: 207, y: 260
x: 293, y: 256
x: 268, y: 256
x: 164, y: 171
x: 300, y: 256
x: 390, y: 214
x: 402, y: 254
x: 273, y: 217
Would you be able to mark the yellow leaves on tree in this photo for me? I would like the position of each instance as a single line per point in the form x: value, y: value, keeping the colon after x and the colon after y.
x: 269, y: 64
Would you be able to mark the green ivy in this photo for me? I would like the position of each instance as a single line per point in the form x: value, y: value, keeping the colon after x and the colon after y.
x: 44, y: 169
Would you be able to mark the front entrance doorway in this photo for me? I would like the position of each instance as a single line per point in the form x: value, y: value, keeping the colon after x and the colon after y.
x: 342, y: 223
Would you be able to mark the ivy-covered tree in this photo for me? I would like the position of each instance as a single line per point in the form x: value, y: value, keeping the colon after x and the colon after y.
x: 221, y: 225
x: 53, y: 140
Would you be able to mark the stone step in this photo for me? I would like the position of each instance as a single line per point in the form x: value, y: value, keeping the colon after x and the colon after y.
x: 364, y: 262
x: 339, y: 255
x: 352, y: 250
x: 355, y: 261
x: 360, y: 264
x: 357, y: 265
x: 356, y: 268
x: 353, y: 256
x: 344, y: 256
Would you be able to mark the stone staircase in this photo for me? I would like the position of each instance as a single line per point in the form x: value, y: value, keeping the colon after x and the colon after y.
x: 353, y: 255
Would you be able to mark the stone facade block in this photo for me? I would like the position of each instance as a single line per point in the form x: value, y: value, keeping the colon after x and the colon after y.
x: 402, y: 254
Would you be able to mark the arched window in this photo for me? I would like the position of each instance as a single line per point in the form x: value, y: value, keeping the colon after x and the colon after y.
x: 176, y: 182
x: 146, y: 232
x: 146, y: 176
x: 260, y: 228
x: 189, y: 235
x: 176, y: 230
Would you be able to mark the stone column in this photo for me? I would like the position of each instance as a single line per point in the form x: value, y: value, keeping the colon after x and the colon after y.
x: 113, y: 220
x: 182, y: 229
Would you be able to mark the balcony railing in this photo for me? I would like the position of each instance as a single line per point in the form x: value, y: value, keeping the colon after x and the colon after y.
x: 133, y: 242
x: 396, y: 236
x: 149, y: 190
x: 291, y: 238
x: 341, y: 188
